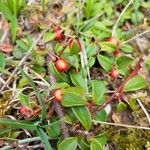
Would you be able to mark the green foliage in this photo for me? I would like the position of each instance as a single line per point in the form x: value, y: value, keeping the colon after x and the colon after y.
x: 69, y: 143
x: 39, y: 95
x: 123, y: 64
x: 101, y: 115
x: 2, y: 62
x: 24, y: 99
x: 135, y: 83
x: 95, y: 144
x: 78, y: 81
x: 105, y: 62
x: 121, y: 106
x: 98, y: 90
x: 85, y: 86
x: 72, y: 99
x: 83, y: 115
x: 44, y: 138
x: 10, y: 10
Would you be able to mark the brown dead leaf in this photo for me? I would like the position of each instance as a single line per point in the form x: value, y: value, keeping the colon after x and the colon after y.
x: 6, y: 47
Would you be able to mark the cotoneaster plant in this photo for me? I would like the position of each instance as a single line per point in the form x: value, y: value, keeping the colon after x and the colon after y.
x: 114, y: 73
x: 113, y: 41
x: 116, y: 53
x: 61, y: 65
x: 70, y: 89
x: 57, y: 94
x: 58, y: 34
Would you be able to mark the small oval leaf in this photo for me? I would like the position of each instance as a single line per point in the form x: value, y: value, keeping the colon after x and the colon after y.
x: 83, y: 115
x: 72, y: 99
x: 136, y: 83
x: 95, y: 145
x: 68, y: 144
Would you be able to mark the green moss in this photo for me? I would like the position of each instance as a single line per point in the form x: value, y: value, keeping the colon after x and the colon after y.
x: 131, y: 139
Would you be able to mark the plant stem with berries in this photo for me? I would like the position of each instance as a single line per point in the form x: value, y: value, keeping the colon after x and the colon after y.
x: 118, y: 93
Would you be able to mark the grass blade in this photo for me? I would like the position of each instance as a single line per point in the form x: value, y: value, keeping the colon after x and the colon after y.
x: 44, y: 138
x: 18, y: 124
x: 39, y: 96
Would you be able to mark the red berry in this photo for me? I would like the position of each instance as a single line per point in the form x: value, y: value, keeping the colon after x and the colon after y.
x: 114, y: 73
x: 23, y: 111
x: 58, y: 95
x: 61, y: 65
x: 116, y: 53
x: 113, y: 41
x: 58, y: 34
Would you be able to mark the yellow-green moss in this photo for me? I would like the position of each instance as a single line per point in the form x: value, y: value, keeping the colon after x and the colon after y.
x: 131, y: 139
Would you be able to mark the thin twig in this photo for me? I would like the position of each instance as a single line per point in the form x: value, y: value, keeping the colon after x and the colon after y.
x: 121, y: 125
x: 116, y: 24
x: 144, y: 110
x: 135, y: 37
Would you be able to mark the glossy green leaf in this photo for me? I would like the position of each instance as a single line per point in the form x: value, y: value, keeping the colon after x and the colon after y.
x: 57, y: 85
x: 61, y: 77
x: 13, y: 27
x: 98, y: 90
x: 54, y: 129
x: 135, y: 83
x: 91, y: 50
x: 101, y: 115
x: 48, y: 36
x: 72, y: 99
x: 105, y: 62
x: 83, y: 115
x: 126, y: 48
x: 78, y: 81
x: 2, y: 61
x: 74, y: 49
x: 68, y: 144
x: 123, y: 63
x: 132, y: 104
x: 95, y: 144
x: 107, y: 46
x: 5, y: 10
x: 88, y: 8
x: 24, y: 100
x: 102, y: 138
x: 121, y: 106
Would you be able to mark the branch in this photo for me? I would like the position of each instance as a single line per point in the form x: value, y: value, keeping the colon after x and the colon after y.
x: 144, y: 110
x: 59, y: 109
x: 119, y: 90
x: 121, y: 125
x: 137, y: 35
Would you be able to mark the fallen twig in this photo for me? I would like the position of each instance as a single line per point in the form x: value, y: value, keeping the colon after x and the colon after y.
x: 144, y: 110
x: 121, y: 125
